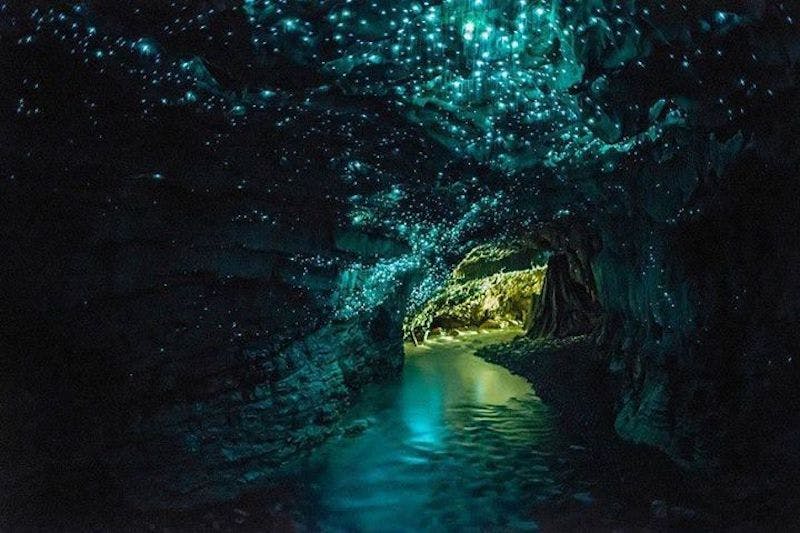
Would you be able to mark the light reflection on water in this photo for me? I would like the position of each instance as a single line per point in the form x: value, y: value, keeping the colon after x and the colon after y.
x: 456, y: 443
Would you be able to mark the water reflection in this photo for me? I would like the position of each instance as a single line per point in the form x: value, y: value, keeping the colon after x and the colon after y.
x: 455, y: 443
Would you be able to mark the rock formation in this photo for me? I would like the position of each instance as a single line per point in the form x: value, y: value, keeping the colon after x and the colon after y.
x: 565, y: 307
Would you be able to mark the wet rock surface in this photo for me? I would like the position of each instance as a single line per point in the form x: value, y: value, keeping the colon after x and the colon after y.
x: 567, y: 374
x: 565, y: 307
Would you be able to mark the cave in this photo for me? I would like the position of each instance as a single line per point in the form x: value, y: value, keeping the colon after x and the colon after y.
x: 411, y: 265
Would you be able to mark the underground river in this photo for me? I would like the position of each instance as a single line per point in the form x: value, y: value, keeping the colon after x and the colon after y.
x: 456, y: 443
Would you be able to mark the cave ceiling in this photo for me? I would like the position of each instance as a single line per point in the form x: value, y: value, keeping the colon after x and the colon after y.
x: 432, y: 122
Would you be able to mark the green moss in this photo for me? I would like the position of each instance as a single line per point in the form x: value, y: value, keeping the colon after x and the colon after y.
x: 498, y: 300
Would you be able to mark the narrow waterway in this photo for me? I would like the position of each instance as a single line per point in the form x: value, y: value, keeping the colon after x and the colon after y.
x: 453, y: 444
x: 456, y: 443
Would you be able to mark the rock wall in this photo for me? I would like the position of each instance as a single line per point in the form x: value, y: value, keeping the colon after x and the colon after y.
x: 698, y: 317
x: 566, y: 307
x: 171, y: 339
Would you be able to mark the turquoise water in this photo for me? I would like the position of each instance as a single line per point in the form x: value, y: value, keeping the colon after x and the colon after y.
x: 455, y: 444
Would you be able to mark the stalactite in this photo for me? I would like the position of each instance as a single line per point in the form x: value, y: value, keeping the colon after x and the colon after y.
x: 565, y: 307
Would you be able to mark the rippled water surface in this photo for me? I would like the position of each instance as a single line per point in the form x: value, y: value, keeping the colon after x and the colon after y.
x: 455, y: 443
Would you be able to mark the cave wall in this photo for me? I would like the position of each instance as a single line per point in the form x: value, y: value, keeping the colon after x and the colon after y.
x: 696, y: 295
x: 166, y: 340
x: 698, y: 242
x: 697, y: 319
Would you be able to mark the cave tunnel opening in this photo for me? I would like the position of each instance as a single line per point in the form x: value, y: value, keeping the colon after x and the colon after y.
x: 495, y: 286
x: 535, y: 287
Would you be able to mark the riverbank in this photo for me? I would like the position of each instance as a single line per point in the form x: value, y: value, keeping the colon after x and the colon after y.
x: 570, y: 376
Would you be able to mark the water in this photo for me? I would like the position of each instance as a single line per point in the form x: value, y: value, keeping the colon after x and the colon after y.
x: 457, y: 443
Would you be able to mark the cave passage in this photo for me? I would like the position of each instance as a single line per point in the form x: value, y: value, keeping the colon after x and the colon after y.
x: 495, y: 286
x: 454, y: 443
x: 457, y: 443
